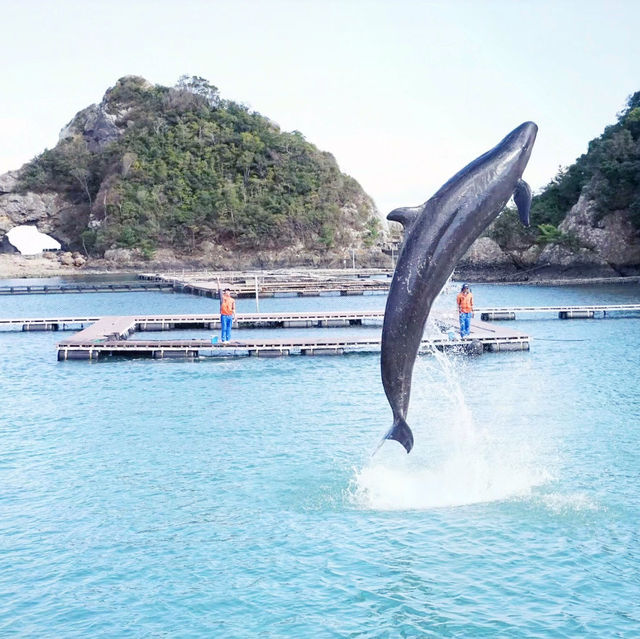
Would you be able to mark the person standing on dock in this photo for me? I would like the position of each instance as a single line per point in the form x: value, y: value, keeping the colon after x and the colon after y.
x: 227, y: 313
x: 465, y: 309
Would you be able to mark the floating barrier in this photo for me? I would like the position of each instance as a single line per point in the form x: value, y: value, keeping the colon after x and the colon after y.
x: 576, y: 314
x: 497, y: 315
x: 40, y: 326
x: 311, y: 319
x: 137, y: 287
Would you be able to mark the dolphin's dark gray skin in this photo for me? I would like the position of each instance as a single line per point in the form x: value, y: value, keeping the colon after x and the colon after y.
x: 436, y: 235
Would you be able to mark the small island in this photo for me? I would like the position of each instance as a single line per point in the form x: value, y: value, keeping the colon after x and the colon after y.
x: 157, y: 177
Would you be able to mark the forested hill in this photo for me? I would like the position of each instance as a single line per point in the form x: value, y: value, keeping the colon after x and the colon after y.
x: 587, y: 219
x: 609, y: 173
x: 152, y: 167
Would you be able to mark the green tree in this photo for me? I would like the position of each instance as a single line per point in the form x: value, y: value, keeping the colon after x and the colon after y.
x: 189, y: 166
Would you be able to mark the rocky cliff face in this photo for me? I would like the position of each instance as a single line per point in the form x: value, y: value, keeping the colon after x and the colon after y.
x: 607, y: 246
x: 599, y: 247
x: 47, y: 211
x: 612, y: 239
x: 100, y: 124
x: 53, y: 213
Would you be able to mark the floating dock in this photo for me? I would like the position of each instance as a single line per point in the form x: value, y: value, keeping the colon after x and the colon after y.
x: 47, y: 323
x: 327, y: 319
x: 111, y: 336
x: 135, y: 287
x: 243, y: 285
x: 310, y: 319
x: 278, y: 283
x: 292, y: 288
x: 562, y: 312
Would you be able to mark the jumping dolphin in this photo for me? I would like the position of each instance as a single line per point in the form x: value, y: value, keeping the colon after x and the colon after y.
x: 436, y: 235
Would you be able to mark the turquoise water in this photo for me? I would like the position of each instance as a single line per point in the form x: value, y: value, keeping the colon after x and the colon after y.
x: 238, y: 498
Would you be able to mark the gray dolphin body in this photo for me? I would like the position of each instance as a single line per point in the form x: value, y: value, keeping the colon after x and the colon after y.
x: 436, y: 235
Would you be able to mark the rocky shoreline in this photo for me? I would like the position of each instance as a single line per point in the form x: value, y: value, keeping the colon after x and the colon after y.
x: 13, y: 266
x: 588, y: 248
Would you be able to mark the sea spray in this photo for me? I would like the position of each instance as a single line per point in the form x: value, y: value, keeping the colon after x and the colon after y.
x: 456, y: 461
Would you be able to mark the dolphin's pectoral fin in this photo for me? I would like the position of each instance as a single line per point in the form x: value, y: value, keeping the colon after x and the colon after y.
x: 405, y: 215
x: 401, y: 432
x: 522, y: 198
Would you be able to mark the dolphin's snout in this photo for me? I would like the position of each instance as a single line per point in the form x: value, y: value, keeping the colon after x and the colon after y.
x: 521, y: 139
x: 527, y: 132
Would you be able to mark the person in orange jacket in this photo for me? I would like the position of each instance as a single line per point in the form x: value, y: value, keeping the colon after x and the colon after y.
x: 465, y: 309
x: 227, y: 313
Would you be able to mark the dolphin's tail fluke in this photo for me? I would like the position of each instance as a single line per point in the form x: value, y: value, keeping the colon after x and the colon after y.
x: 401, y: 432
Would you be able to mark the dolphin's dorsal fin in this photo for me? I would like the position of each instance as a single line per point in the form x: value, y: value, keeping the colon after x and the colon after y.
x: 406, y: 215
x: 522, y: 198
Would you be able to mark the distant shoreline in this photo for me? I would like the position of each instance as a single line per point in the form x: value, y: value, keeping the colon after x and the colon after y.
x: 20, y: 267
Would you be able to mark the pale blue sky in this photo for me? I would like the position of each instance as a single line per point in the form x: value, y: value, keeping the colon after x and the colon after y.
x: 403, y: 93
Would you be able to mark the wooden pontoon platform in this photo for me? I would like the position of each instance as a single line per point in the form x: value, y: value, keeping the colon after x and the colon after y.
x: 309, y: 319
x: 111, y: 336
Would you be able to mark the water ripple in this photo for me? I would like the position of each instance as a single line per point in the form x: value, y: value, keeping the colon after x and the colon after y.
x: 240, y: 499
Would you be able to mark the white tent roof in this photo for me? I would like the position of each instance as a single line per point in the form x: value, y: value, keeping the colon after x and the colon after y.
x: 29, y: 241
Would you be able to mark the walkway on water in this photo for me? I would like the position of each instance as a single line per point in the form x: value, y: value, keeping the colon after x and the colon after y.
x: 111, y: 336
x: 134, y: 287
x: 583, y: 311
x: 279, y: 283
x: 249, y: 284
x: 263, y: 287
x: 309, y: 319
x: 266, y: 284
x: 323, y: 319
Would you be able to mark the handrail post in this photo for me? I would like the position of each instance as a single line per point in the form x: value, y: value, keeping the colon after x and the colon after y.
x: 257, y: 297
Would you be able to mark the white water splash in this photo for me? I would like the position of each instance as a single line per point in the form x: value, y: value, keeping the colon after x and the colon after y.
x: 459, y: 481
x: 559, y: 503
x: 455, y: 462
